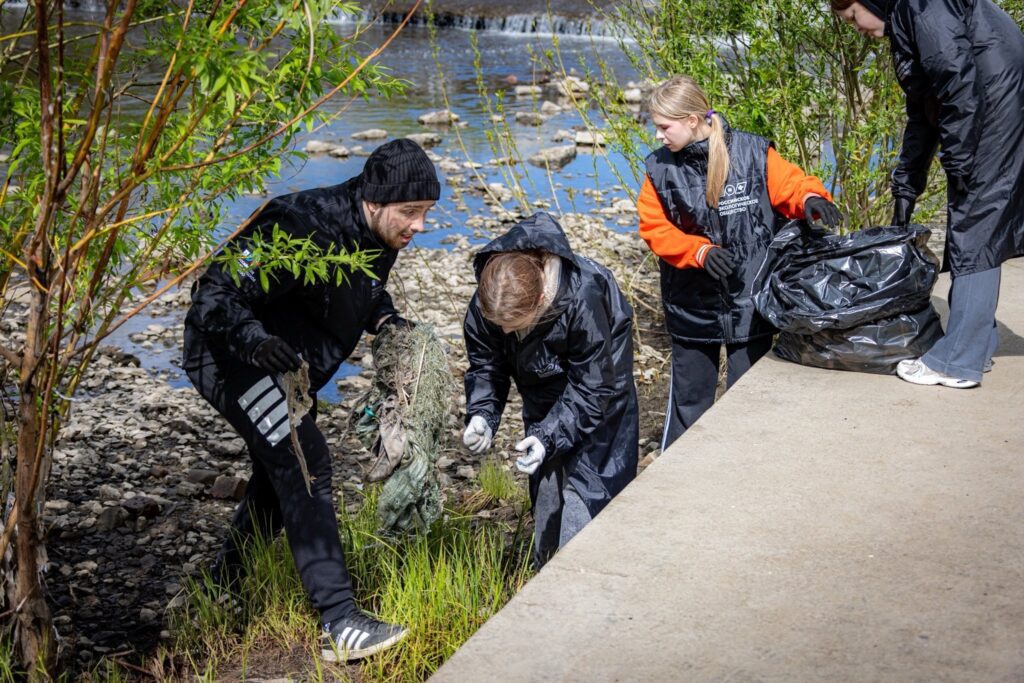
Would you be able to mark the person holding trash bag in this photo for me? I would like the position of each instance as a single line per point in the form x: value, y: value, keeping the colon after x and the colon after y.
x: 557, y: 324
x: 240, y: 338
x: 708, y: 208
x: 961, y: 66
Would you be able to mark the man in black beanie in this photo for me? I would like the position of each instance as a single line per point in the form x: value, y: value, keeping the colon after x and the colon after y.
x: 241, y: 337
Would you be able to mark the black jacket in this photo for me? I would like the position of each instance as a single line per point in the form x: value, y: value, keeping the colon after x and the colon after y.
x: 698, y: 308
x: 323, y: 321
x: 961, y: 65
x: 574, y: 370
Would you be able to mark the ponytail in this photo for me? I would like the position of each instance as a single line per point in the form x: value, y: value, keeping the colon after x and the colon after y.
x: 718, y: 161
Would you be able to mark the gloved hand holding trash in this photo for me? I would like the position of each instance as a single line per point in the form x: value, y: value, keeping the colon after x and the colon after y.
x: 533, y: 453
x: 275, y: 355
x: 477, y: 437
x: 820, y: 209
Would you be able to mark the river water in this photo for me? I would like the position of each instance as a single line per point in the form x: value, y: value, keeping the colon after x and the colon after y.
x: 444, y: 67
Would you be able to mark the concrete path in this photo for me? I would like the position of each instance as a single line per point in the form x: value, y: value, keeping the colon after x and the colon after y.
x: 813, y: 526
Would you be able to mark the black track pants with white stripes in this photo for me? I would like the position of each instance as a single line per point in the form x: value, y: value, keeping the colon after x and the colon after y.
x: 695, y: 379
x: 276, y: 495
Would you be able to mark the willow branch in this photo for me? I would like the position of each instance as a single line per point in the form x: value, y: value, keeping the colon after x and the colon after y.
x: 305, y: 112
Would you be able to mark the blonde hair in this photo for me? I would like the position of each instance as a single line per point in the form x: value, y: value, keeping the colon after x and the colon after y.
x: 511, y: 288
x: 680, y: 97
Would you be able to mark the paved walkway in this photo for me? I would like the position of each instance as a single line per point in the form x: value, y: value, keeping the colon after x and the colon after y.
x: 813, y: 526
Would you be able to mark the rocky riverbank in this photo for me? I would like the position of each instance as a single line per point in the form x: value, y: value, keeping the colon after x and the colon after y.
x: 146, y: 476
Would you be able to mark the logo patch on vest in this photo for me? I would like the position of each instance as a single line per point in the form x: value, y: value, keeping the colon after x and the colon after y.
x: 552, y: 368
x: 246, y: 265
x: 735, y: 199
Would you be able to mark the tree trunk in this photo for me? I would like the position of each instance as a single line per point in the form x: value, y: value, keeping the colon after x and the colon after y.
x: 34, y: 621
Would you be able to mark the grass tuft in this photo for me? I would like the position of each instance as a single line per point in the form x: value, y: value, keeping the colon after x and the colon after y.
x: 500, y: 485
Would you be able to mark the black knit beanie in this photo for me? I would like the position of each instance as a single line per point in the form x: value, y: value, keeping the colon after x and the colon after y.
x: 880, y: 8
x: 399, y: 171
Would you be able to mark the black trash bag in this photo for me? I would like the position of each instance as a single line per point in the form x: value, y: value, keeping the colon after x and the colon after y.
x: 811, y: 281
x: 872, y: 347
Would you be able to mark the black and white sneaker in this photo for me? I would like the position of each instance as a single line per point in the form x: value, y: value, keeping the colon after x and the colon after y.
x: 358, y: 636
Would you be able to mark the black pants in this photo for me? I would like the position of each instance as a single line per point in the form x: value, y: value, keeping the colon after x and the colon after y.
x: 276, y: 495
x: 695, y: 378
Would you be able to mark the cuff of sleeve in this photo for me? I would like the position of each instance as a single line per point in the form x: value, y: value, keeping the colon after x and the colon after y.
x: 702, y: 253
x: 245, y: 338
x: 545, y: 440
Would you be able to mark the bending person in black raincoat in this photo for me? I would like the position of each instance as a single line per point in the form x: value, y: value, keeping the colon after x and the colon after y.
x: 557, y: 324
x: 240, y: 338
x: 961, y: 65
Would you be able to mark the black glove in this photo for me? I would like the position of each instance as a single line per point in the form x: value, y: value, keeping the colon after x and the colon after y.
x: 398, y: 321
x: 820, y: 209
x: 275, y: 355
x: 718, y: 263
x: 902, y: 209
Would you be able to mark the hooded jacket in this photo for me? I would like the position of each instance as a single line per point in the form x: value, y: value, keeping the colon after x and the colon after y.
x: 574, y: 369
x: 698, y: 309
x: 322, y: 322
x: 961, y: 65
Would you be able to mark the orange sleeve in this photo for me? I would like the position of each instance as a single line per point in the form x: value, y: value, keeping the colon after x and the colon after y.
x: 674, y: 246
x: 788, y: 185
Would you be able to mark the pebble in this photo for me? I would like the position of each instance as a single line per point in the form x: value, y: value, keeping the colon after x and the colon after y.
x: 370, y: 134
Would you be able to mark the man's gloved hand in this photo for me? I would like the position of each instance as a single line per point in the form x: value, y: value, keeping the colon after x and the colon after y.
x: 398, y: 321
x: 533, y: 454
x: 718, y: 263
x: 820, y: 209
x: 275, y: 355
x: 902, y: 210
x: 477, y: 437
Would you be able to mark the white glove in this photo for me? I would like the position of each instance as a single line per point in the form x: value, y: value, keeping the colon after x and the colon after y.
x: 534, y: 456
x: 477, y: 436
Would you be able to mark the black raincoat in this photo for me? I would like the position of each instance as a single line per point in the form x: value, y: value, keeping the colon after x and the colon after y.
x: 322, y: 322
x: 574, y: 370
x: 961, y: 64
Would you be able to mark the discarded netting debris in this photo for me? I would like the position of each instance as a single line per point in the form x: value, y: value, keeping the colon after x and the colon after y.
x: 402, y: 419
x: 299, y: 402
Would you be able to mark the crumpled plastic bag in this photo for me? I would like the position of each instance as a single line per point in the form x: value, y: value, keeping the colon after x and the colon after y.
x: 811, y: 282
x: 874, y: 347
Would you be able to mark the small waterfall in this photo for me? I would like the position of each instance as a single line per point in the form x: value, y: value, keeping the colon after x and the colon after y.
x: 539, y: 24
x: 87, y: 6
x: 531, y: 23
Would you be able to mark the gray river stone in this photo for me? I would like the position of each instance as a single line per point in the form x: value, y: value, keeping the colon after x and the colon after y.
x: 370, y: 134
x: 553, y: 157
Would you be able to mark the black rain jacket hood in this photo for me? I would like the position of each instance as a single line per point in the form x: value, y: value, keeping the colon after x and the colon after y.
x: 323, y: 321
x: 961, y: 65
x: 574, y: 370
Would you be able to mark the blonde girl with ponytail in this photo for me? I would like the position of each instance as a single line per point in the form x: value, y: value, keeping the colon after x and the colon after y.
x: 711, y: 201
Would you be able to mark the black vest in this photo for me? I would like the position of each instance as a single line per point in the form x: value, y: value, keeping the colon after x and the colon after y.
x: 697, y: 307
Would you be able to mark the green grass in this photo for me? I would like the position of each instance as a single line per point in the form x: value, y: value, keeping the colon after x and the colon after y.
x: 443, y: 585
x: 498, y: 484
x: 7, y: 665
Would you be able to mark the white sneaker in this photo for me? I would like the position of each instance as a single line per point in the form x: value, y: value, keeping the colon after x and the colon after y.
x: 916, y: 372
